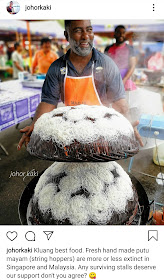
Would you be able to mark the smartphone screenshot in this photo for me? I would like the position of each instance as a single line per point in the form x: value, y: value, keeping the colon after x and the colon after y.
x: 81, y: 139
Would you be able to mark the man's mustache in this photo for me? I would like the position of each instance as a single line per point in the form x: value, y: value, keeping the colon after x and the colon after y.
x: 90, y: 42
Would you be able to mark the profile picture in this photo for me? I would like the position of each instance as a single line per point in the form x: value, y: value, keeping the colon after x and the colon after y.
x: 13, y: 7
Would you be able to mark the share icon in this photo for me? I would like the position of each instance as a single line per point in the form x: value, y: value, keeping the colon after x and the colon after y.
x: 48, y: 234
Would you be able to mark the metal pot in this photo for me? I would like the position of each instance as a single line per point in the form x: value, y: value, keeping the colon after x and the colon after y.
x: 140, y: 219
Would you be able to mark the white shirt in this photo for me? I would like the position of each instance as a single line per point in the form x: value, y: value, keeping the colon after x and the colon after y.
x: 16, y: 57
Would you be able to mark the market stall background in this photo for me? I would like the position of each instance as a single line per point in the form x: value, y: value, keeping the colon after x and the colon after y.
x: 14, y: 108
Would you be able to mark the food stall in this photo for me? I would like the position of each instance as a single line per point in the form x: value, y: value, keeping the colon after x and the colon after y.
x: 17, y: 103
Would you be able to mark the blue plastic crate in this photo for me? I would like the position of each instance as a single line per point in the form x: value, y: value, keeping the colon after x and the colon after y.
x: 151, y: 126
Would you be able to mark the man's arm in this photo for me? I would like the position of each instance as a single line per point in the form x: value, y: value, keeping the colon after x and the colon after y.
x: 18, y: 66
x: 107, y: 49
x: 121, y: 106
x: 132, y: 65
x: 42, y: 108
x: 49, y: 100
x: 116, y: 94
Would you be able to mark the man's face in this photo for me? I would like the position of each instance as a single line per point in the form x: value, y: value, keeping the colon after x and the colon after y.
x: 19, y: 48
x: 80, y: 37
x: 120, y: 35
x: 11, y: 4
x: 46, y: 47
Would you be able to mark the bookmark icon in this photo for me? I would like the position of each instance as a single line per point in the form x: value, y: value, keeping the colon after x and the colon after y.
x: 153, y: 234
x: 48, y: 234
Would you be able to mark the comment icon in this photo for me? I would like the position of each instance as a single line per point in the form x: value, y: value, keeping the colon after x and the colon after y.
x: 30, y: 236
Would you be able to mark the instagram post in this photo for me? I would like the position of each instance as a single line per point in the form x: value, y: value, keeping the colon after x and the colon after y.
x: 81, y: 140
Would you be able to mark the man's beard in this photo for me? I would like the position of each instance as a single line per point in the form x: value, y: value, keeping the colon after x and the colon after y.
x: 120, y: 42
x: 81, y: 51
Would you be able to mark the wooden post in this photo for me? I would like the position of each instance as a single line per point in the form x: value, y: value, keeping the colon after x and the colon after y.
x: 17, y: 36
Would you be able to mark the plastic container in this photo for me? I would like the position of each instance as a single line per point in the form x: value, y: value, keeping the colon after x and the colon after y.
x: 158, y: 153
x: 151, y: 126
x: 24, y: 75
x: 41, y: 76
x: 144, y: 102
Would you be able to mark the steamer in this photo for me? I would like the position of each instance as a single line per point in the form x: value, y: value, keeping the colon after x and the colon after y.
x: 118, y: 143
x: 139, y: 217
x: 100, y: 149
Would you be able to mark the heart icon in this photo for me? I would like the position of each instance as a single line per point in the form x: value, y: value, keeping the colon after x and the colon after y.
x: 11, y: 235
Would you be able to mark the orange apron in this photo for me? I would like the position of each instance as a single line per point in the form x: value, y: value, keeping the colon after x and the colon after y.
x: 80, y: 90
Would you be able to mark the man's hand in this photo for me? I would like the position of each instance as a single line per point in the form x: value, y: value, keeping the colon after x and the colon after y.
x: 18, y: 66
x: 124, y: 80
x: 25, y: 139
x: 42, y: 108
x: 137, y: 135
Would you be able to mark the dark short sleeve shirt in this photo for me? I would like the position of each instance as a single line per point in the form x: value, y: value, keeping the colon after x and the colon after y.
x: 107, y: 78
x: 9, y: 9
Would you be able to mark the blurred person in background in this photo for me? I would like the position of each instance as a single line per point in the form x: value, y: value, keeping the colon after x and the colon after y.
x: 26, y: 60
x: 44, y: 57
x: 3, y: 56
x: 17, y: 60
x: 59, y: 49
x: 10, y: 8
x: 124, y: 56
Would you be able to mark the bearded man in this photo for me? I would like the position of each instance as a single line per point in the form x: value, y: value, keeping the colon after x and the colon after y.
x: 82, y: 76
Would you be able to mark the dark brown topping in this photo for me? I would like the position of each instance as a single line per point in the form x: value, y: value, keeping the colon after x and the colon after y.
x: 56, y: 179
x: 107, y: 115
x: 105, y: 187
x: 58, y: 115
x: 82, y: 191
x: 90, y: 119
x: 115, y: 174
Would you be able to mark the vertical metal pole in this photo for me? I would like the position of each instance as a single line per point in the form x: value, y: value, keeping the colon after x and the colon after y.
x: 130, y: 164
x: 29, y: 40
